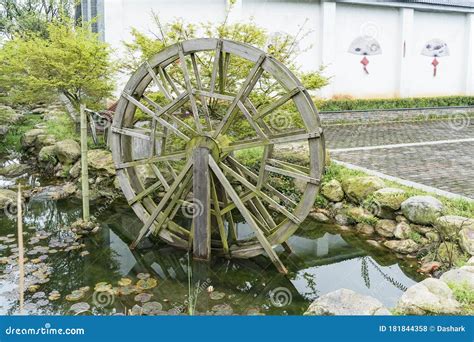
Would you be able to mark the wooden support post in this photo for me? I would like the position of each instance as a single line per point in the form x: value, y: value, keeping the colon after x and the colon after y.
x: 84, y: 170
x: 21, y: 262
x: 202, y: 210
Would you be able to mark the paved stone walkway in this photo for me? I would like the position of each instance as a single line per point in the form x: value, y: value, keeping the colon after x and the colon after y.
x: 435, y: 161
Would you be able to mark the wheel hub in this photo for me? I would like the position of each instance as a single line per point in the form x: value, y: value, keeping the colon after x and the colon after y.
x: 205, y: 142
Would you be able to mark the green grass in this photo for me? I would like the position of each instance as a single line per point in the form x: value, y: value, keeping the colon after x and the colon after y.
x: 464, y: 295
x: 62, y: 128
x: 340, y: 104
x: 458, y: 207
x: 12, y: 140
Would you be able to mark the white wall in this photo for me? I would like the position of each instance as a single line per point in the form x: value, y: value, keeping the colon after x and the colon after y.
x: 332, y: 28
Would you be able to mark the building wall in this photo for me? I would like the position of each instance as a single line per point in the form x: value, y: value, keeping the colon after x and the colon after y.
x: 400, y: 70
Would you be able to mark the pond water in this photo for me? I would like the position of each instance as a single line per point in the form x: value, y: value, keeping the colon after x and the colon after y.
x: 322, y: 261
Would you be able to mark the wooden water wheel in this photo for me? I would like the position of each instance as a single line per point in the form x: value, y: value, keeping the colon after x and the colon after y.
x: 222, y: 121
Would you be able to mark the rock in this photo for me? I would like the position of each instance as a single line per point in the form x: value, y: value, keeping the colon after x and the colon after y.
x: 406, y: 246
x: 466, y: 240
x: 341, y: 219
x: 431, y: 296
x: 374, y: 243
x: 385, y: 227
x: 3, y: 130
x: 75, y: 170
x: 7, y: 197
x: 451, y: 225
x: 401, y: 218
x: 421, y: 229
x: 38, y: 110
x: 48, y: 155
x: 14, y: 170
x: 332, y: 190
x: 28, y: 139
x: 422, y: 209
x: 429, y: 267
x: 358, y: 188
x: 67, y: 151
x: 390, y: 197
x: 470, y: 262
x: 44, y: 140
x: 320, y: 217
x: 402, y: 231
x: 432, y: 236
x: 346, y: 302
x: 8, y: 116
x: 54, y: 192
x: 101, y: 160
x: 359, y: 214
x: 364, y: 228
x: 463, y: 276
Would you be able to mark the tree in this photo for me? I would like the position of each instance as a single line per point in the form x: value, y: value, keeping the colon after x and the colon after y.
x: 71, y: 61
x: 283, y: 47
x: 21, y: 18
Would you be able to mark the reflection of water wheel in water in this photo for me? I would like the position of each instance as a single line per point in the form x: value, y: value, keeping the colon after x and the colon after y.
x: 215, y: 142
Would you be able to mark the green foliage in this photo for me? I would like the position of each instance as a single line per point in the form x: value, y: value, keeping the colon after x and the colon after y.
x: 282, y: 47
x: 415, y: 236
x: 12, y: 140
x: 72, y: 61
x: 464, y: 295
x: 61, y: 127
x: 341, y: 104
x: 21, y: 18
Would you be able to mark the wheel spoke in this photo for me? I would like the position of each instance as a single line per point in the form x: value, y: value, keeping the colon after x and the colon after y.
x: 252, y: 175
x: 244, y: 91
x: 132, y: 132
x: 292, y: 174
x: 164, y: 200
x: 264, y: 196
x: 189, y: 89
x: 215, y: 66
x: 157, y: 82
x: 249, y: 118
x: 152, y: 160
x: 199, y: 86
x: 218, y: 216
x: 273, y: 140
x: 281, y: 101
x: 247, y: 216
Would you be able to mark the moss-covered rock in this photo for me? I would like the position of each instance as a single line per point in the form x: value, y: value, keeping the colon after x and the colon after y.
x: 358, y: 215
x: 406, y: 246
x: 450, y: 253
x: 466, y: 240
x: 390, y: 197
x: 101, y: 161
x: 358, y: 189
x: 7, y: 197
x: 451, y: 225
x: 29, y: 138
x: 385, y: 228
x: 332, y: 190
x: 422, y: 209
x: 47, y: 155
x: 67, y: 151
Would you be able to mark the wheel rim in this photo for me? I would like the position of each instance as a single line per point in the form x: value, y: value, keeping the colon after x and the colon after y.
x: 176, y: 74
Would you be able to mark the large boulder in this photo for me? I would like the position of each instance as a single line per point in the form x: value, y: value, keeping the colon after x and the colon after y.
x: 406, y: 246
x: 29, y: 138
x: 332, y: 190
x: 359, y: 188
x: 7, y: 197
x: 390, y: 197
x: 431, y: 296
x: 422, y: 209
x: 451, y: 225
x: 54, y: 192
x: 463, y: 276
x: 385, y: 228
x: 67, y: 151
x: 44, y: 140
x: 346, y: 302
x: 100, y: 161
x: 47, y: 154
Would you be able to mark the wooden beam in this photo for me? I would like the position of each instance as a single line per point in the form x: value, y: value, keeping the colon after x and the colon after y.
x: 247, y: 216
x: 202, y: 210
